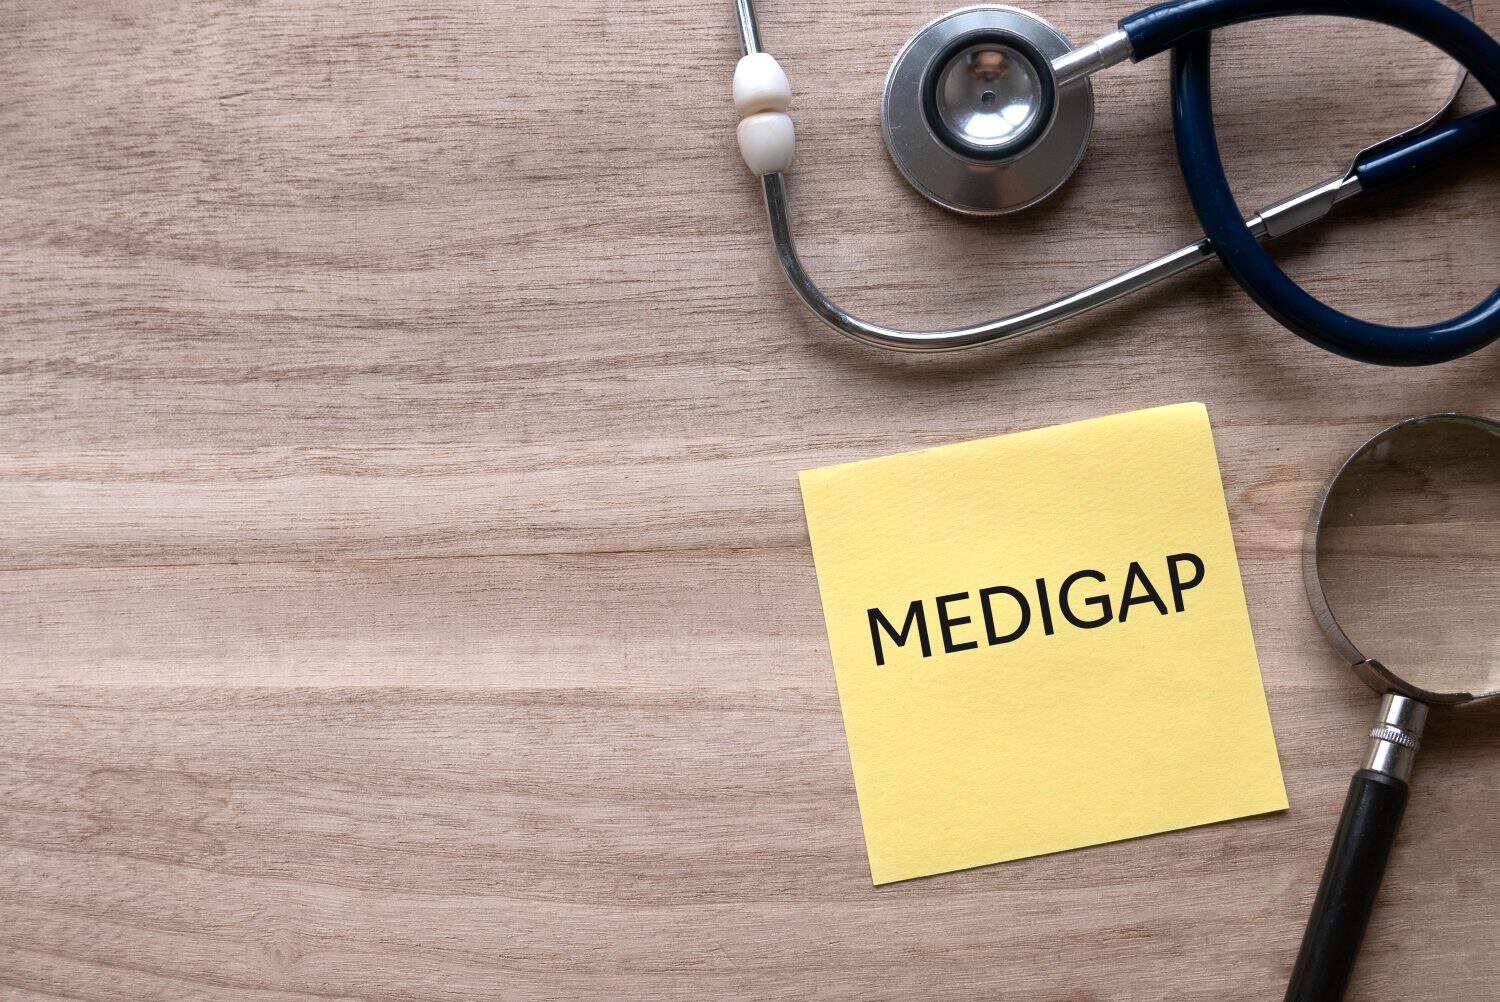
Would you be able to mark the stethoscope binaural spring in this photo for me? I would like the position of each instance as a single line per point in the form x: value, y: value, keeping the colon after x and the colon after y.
x: 988, y: 110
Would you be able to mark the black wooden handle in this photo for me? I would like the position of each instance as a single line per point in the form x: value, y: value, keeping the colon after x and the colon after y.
x: 1351, y: 879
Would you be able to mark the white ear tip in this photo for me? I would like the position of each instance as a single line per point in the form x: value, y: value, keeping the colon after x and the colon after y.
x: 760, y: 85
x: 766, y: 142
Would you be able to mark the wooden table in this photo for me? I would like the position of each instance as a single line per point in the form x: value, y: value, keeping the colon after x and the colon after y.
x: 404, y: 591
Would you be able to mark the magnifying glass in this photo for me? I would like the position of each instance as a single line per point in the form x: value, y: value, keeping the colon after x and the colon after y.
x: 1402, y: 565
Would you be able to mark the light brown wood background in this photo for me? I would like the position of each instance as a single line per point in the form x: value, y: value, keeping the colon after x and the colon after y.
x: 439, y: 346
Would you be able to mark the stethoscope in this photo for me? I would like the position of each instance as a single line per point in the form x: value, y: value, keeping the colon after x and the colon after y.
x: 988, y: 109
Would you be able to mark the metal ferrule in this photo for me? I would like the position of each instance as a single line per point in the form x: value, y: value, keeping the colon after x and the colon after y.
x: 1396, y: 736
x: 1086, y: 60
x: 1307, y: 206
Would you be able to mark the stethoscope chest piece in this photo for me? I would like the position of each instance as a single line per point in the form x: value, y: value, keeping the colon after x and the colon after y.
x: 973, y: 116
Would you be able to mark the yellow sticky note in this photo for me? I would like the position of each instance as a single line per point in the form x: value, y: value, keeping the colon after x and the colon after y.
x: 1040, y: 642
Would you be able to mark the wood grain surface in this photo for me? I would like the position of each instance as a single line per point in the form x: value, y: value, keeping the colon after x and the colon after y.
x: 404, y: 592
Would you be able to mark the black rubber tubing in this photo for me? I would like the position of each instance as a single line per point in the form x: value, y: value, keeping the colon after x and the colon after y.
x: 1184, y: 27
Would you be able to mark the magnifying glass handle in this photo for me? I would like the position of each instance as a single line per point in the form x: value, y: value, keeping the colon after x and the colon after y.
x: 1356, y: 863
x: 1346, y: 896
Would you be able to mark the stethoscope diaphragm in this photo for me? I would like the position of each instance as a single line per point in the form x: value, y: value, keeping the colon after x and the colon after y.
x: 972, y: 114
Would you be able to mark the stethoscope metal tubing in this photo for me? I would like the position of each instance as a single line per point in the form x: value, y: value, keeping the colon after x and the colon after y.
x: 1271, y: 222
x: 744, y: 16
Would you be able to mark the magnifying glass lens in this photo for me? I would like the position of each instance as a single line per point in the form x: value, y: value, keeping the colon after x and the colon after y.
x: 1408, y: 552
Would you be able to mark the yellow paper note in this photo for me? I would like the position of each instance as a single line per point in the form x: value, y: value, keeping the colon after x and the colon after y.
x: 1040, y: 642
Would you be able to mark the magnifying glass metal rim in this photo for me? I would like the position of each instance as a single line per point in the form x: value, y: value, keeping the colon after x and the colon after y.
x: 1374, y: 674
